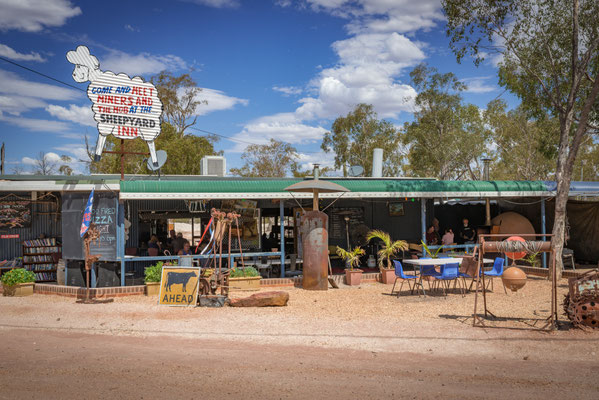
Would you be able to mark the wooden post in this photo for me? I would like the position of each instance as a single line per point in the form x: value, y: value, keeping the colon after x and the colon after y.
x: 315, y: 200
x: 122, y: 159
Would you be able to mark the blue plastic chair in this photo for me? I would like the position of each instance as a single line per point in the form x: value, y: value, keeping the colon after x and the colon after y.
x: 496, y: 271
x: 450, y: 272
x: 399, y: 274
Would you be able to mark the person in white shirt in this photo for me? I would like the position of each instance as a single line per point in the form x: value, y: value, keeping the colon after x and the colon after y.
x: 448, y: 237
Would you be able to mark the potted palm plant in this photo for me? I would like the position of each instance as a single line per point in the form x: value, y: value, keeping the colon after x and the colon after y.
x: 386, y: 252
x: 353, y: 275
x: 18, y: 282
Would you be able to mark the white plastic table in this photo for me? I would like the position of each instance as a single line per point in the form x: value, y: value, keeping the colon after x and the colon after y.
x: 436, y: 261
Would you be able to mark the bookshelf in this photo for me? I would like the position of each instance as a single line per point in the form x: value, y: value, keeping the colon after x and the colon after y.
x: 38, y: 258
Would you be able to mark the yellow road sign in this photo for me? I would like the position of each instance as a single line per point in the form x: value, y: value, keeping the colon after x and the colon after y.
x: 179, y: 286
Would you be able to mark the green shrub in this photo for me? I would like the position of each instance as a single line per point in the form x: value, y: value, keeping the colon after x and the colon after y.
x: 153, y: 273
x: 244, y: 273
x: 16, y: 276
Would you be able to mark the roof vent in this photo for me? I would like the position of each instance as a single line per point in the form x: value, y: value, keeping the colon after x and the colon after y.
x: 214, y: 166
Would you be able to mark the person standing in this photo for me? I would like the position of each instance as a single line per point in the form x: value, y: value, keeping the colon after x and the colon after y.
x: 467, y: 234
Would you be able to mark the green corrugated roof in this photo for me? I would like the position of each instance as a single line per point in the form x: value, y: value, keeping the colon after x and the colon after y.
x: 245, y: 185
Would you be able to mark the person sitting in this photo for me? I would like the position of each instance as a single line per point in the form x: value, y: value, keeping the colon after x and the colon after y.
x: 431, y: 236
x: 448, y: 237
x: 186, y: 250
x: 153, y: 243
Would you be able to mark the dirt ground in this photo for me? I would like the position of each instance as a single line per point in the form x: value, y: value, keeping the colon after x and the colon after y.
x: 346, y: 343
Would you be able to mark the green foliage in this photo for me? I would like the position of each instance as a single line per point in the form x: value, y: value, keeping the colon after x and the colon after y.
x: 178, y: 95
x: 185, y: 152
x: 447, y: 137
x: 389, y: 249
x: 354, y: 137
x: 153, y: 273
x: 532, y: 259
x: 526, y: 146
x: 275, y: 159
x: 351, y: 257
x: 246, y: 272
x: 429, y: 252
x: 16, y: 276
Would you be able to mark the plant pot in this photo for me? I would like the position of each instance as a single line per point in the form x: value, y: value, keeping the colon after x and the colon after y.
x: 353, y: 277
x: 18, y: 290
x: 388, y: 276
x: 245, y: 283
x: 152, y: 288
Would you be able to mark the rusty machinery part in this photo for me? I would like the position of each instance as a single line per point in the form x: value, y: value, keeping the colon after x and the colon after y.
x: 581, y: 304
x: 92, y: 235
x: 583, y: 311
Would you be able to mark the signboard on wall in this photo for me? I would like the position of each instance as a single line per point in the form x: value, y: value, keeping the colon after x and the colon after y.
x: 105, y: 218
x: 179, y: 286
x: 15, y: 214
x: 125, y: 107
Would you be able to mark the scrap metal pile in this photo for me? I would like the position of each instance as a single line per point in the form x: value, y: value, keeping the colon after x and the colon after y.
x: 581, y: 304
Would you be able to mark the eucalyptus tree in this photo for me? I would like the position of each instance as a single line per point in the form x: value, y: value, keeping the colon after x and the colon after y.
x: 548, y: 56
x: 447, y: 137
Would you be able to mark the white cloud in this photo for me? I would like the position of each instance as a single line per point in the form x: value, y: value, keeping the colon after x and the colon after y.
x: 479, y: 85
x: 12, y: 83
x: 39, y: 125
x: 82, y: 115
x: 307, y: 160
x: 75, y: 150
x: 131, y: 28
x: 9, y: 52
x: 285, y: 127
x: 216, y: 3
x: 34, y: 15
x: 369, y: 65
x: 49, y: 156
x: 288, y: 90
x: 139, y: 64
x: 16, y: 105
x: 217, y: 101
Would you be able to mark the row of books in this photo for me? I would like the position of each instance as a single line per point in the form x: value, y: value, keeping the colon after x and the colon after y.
x: 34, y: 267
x: 36, y: 259
x: 45, y: 276
x: 37, y: 250
x: 40, y: 242
x: 14, y: 263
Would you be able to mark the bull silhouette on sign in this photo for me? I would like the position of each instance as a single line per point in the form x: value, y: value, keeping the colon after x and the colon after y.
x: 175, y: 278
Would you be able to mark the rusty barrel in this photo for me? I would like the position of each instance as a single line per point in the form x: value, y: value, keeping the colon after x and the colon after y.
x: 315, y: 240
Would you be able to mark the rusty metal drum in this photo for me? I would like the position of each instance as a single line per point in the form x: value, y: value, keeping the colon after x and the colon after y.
x: 315, y: 239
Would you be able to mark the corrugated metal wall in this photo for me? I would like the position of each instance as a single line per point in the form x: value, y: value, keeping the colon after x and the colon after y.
x: 45, y: 219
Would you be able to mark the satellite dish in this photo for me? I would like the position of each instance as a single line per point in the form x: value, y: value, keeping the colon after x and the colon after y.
x: 161, y: 156
x: 356, y: 170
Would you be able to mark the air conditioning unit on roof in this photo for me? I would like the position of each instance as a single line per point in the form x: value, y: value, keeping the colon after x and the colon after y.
x: 214, y: 166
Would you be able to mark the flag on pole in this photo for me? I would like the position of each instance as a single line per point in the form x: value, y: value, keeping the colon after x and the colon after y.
x: 87, y: 214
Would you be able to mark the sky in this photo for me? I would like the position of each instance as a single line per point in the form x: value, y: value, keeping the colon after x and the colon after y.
x: 279, y: 69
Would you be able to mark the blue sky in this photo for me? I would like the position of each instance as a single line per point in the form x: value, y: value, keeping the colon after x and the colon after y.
x: 269, y: 68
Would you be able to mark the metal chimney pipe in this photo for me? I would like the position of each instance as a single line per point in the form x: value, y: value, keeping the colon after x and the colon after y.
x: 377, y: 163
x: 486, y: 163
x: 316, y: 171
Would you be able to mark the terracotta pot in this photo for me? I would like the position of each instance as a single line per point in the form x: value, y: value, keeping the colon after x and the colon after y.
x: 514, y: 278
x: 245, y: 283
x: 152, y: 288
x: 18, y: 290
x: 388, y: 276
x: 353, y: 277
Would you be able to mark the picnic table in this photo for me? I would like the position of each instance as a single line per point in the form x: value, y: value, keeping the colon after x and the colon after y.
x: 419, y: 263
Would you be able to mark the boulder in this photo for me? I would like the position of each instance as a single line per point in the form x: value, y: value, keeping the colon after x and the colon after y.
x: 264, y: 299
